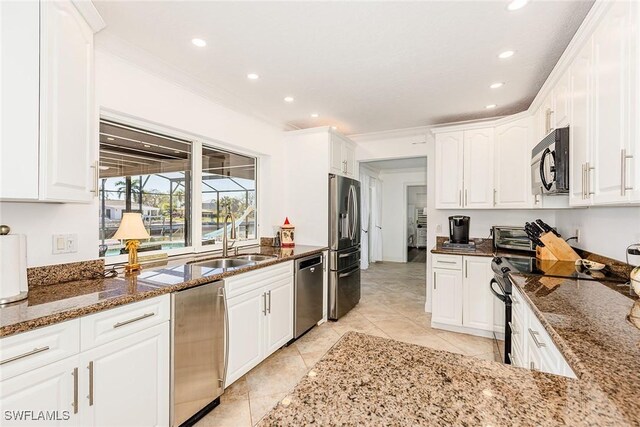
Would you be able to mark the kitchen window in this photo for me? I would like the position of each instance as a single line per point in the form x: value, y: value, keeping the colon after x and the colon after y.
x: 142, y: 171
x: 228, y: 182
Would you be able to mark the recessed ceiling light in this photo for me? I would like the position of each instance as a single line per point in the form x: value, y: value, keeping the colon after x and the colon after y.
x: 314, y: 115
x: 288, y: 99
x: 334, y: 127
x: 490, y: 106
x: 253, y: 76
x: 199, y: 42
x: 506, y: 54
x: 146, y: 146
x: 517, y: 4
x: 496, y: 85
x: 110, y: 139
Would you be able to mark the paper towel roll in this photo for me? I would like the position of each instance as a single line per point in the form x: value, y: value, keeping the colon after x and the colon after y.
x: 13, y: 267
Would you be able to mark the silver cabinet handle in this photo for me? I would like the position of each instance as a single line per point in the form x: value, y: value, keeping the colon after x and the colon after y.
x: 534, y: 335
x: 75, y: 390
x: 90, y: 396
x: 466, y: 269
x: 96, y: 176
x: 446, y: 262
x: 27, y: 354
x: 584, y: 186
x: 532, y: 365
x: 466, y: 197
x: 623, y: 171
x: 269, y: 309
x: 434, y: 280
x: 513, y: 329
x: 589, y: 169
x: 494, y: 196
x: 135, y: 319
x: 340, y: 276
x: 264, y: 303
x: 460, y: 198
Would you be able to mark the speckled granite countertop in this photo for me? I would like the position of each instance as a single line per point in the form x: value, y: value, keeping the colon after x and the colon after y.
x: 484, y: 247
x: 52, y: 303
x: 366, y: 380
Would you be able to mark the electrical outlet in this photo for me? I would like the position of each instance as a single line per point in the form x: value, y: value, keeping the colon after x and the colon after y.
x: 65, y: 243
x: 577, y: 234
x: 438, y: 228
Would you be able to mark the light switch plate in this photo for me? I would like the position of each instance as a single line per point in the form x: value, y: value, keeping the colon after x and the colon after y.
x: 65, y: 243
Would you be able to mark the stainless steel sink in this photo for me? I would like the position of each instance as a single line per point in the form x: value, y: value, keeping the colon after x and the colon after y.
x: 255, y: 257
x: 225, y: 263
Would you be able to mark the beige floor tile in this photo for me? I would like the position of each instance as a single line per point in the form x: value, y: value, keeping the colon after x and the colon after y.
x: 486, y: 356
x: 275, y: 375
x: 312, y: 358
x: 319, y: 339
x: 237, y: 390
x: 432, y: 341
x: 263, y: 404
x: 403, y: 327
x: 234, y: 413
x: 471, y: 345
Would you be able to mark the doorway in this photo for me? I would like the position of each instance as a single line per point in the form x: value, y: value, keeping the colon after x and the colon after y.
x: 416, y: 217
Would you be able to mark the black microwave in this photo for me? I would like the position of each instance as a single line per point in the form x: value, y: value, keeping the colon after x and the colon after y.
x: 550, y: 163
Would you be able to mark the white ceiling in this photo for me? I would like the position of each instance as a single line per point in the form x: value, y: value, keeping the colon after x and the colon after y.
x: 397, y: 164
x: 362, y: 66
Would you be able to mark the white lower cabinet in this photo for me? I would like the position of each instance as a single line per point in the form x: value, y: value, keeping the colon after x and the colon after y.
x: 260, y: 307
x: 462, y: 297
x: 531, y: 345
x: 51, y: 389
x: 126, y: 382
x: 123, y: 382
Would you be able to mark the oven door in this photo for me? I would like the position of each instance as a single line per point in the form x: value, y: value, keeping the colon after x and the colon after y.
x: 501, y: 290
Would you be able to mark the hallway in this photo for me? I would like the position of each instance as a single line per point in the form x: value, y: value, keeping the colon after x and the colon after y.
x: 391, y: 306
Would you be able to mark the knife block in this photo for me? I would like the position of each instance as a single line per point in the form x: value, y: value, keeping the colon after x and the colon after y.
x: 555, y: 248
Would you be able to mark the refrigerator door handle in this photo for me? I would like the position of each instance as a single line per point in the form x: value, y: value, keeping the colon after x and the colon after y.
x: 355, y: 212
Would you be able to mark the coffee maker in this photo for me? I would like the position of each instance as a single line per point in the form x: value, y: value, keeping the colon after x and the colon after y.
x: 459, y: 233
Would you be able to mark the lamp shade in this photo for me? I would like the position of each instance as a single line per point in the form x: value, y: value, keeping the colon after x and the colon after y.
x: 131, y: 227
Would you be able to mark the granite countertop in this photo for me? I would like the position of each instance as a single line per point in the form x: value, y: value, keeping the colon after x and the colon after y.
x: 50, y: 303
x: 484, y: 247
x: 367, y: 380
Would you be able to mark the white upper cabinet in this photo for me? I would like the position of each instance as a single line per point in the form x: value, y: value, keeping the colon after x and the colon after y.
x: 47, y: 52
x: 580, y: 132
x: 19, y: 44
x: 562, y: 101
x: 67, y: 112
x: 478, y: 168
x: 342, y: 156
x: 449, y: 169
x: 611, y: 102
x: 512, y: 164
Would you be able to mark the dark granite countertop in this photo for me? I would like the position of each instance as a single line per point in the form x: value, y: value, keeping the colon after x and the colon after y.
x: 366, y: 380
x: 53, y: 303
x: 484, y: 247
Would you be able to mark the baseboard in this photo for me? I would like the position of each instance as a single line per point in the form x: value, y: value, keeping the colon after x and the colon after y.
x: 468, y: 331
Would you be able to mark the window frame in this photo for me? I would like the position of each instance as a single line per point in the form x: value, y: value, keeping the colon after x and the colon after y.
x: 197, y: 142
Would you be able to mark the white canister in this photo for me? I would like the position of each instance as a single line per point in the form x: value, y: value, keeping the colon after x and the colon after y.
x: 13, y: 268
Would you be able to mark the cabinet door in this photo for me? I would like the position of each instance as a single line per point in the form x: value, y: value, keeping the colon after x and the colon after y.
x: 349, y: 156
x: 447, y: 297
x: 449, y: 170
x: 246, y: 317
x: 562, y: 101
x: 477, y: 299
x: 545, y: 117
x: 51, y: 388
x: 580, y: 133
x: 19, y: 47
x: 513, y: 164
x: 279, y: 325
x: 336, y: 160
x: 632, y: 166
x: 478, y: 169
x: 126, y: 382
x: 67, y: 111
x: 611, y: 104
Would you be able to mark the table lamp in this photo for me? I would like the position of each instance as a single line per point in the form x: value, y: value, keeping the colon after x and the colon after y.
x: 132, y: 230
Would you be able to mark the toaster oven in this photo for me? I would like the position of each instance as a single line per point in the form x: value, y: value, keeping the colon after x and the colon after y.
x: 513, y: 238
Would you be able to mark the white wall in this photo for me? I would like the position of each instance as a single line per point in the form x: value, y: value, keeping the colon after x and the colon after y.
x: 603, y: 230
x: 394, y: 205
x: 127, y: 89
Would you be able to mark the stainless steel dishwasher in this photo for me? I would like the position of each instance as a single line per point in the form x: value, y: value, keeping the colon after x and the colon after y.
x: 309, y: 274
x: 198, y: 351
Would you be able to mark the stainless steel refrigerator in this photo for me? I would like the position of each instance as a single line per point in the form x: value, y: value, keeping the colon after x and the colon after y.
x: 344, y: 245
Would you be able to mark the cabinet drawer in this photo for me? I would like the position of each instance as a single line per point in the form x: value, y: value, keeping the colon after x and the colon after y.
x: 252, y: 280
x: 109, y: 325
x: 30, y: 350
x: 449, y: 262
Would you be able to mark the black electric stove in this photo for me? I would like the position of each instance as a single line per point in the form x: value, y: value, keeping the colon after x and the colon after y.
x: 564, y: 269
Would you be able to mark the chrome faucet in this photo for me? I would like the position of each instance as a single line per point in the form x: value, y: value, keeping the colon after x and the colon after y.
x: 225, y: 249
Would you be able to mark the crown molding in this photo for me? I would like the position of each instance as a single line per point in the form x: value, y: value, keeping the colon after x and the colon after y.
x: 90, y: 14
x: 390, y: 134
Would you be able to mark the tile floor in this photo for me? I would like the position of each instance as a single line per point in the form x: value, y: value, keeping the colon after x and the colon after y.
x: 392, y: 305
